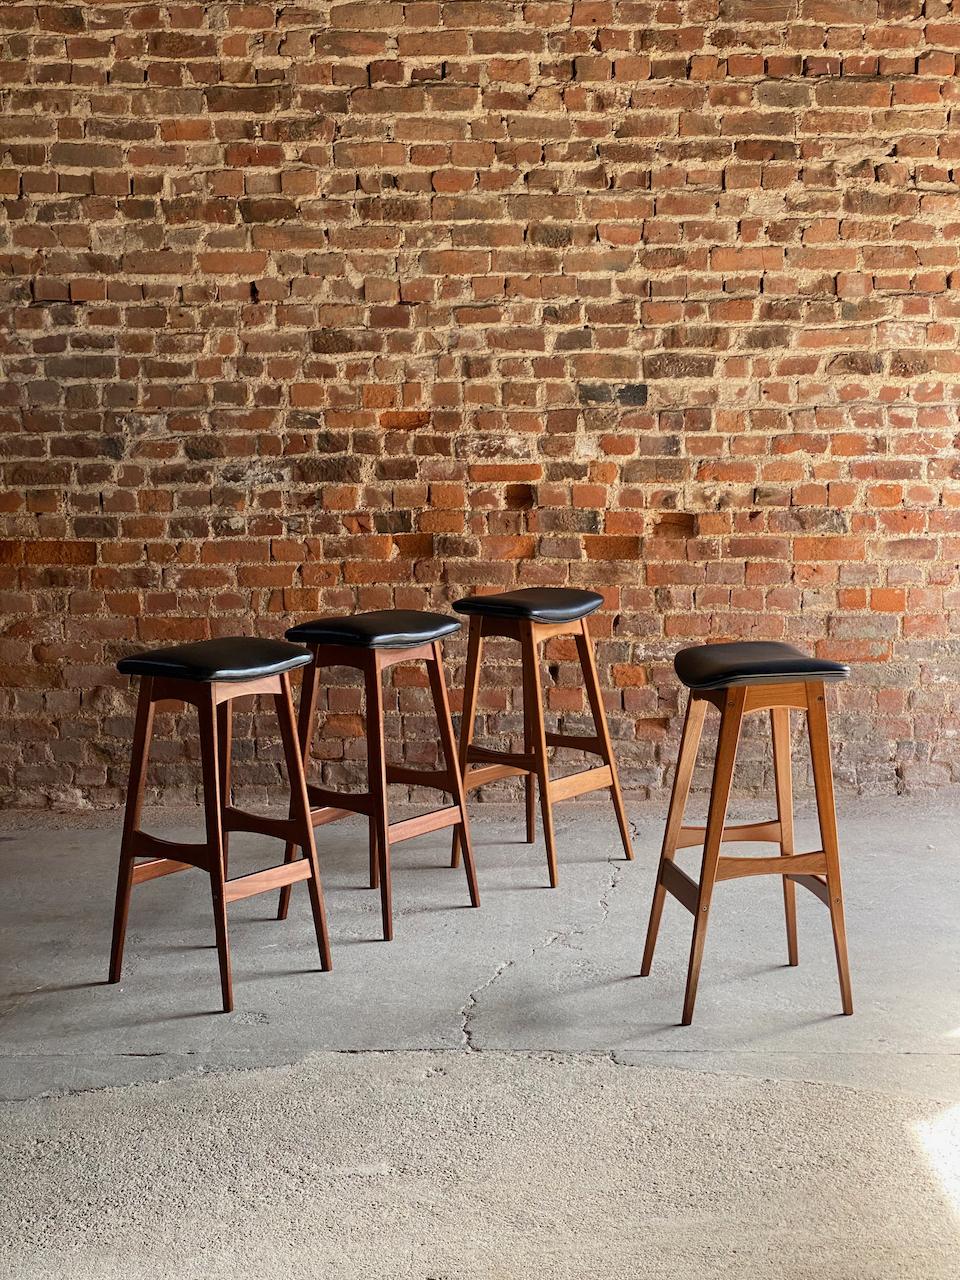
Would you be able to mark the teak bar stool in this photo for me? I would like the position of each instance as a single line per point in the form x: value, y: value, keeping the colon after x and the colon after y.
x: 740, y: 679
x: 209, y: 675
x: 531, y: 615
x: 372, y: 642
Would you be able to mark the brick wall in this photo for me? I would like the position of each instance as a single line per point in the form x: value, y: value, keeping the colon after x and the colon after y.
x: 316, y: 307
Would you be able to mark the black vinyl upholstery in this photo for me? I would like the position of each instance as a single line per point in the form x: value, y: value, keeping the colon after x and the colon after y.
x: 717, y: 666
x: 538, y: 604
x: 379, y: 629
x: 226, y: 658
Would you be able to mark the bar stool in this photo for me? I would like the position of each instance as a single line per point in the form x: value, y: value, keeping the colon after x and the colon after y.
x: 531, y: 615
x: 373, y: 642
x: 739, y: 679
x: 210, y: 674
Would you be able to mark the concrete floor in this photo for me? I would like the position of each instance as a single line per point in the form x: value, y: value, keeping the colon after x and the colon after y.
x: 523, y: 1026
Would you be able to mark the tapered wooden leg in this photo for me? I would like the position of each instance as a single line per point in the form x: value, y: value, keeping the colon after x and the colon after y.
x: 471, y: 686
x: 730, y: 722
x: 438, y: 687
x: 300, y: 806
x: 683, y: 775
x: 377, y: 785
x: 306, y: 718
x: 591, y: 682
x: 819, y: 733
x: 209, y: 759
x: 136, y: 783
x: 533, y: 696
x: 374, y: 857
x: 783, y: 782
x: 225, y: 748
x: 529, y: 781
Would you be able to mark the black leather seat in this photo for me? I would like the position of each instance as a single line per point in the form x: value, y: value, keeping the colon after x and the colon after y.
x: 537, y: 604
x: 226, y: 658
x: 717, y: 666
x: 379, y: 629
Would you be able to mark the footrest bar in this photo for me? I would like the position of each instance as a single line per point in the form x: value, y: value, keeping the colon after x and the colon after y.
x: 577, y: 784
x: 680, y: 885
x: 320, y: 817
x: 798, y: 864
x: 434, y: 821
x: 158, y: 867
x: 262, y: 881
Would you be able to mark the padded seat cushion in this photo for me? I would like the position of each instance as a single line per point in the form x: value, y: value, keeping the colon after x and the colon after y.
x: 539, y: 604
x: 379, y: 629
x: 226, y: 658
x: 717, y: 666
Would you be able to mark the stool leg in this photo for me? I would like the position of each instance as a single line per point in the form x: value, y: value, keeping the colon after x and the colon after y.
x: 209, y: 759
x: 683, y: 775
x: 783, y: 783
x: 136, y: 783
x: 471, y: 685
x: 730, y: 722
x: 225, y: 748
x: 300, y: 806
x: 819, y: 733
x: 305, y: 722
x: 441, y: 702
x: 591, y: 681
x: 533, y: 700
x: 529, y: 782
x: 374, y: 856
x: 377, y: 785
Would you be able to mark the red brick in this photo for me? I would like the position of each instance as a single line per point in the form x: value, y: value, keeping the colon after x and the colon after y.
x: 409, y: 306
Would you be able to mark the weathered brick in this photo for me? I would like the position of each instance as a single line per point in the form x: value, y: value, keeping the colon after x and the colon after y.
x: 347, y: 306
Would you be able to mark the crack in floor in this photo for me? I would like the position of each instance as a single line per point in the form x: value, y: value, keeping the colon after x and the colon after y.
x: 466, y: 1012
x: 563, y: 937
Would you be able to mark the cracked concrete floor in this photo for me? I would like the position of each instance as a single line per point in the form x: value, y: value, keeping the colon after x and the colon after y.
x: 546, y: 1115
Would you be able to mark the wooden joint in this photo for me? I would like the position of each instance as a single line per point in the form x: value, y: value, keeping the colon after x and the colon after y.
x: 761, y: 697
x: 817, y: 886
x: 280, y: 828
x: 573, y: 743
x: 140, y: 845
x: 415, y: 653
x: 438, y: 779
x: 227, y: 690
x: 504, y: 628
x: 352, y: 801
x: 679, y: 884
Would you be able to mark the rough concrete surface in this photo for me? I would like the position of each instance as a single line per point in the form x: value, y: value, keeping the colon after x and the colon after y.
x: 456, y: 1165
x: 496, y: 1093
